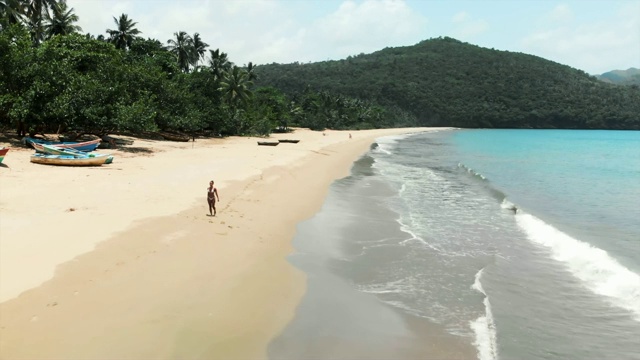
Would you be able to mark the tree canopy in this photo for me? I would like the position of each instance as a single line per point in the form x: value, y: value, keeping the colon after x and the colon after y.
x: 445, y: 82
x: 52, y: 78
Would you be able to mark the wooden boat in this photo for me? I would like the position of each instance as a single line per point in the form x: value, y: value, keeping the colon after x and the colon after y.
x: 175, y: 137
x: 56, y: 150
x: 85, y: 146
x: 66, y: 160
x: 289, y: 141
x: 3, y: 152
x: 268, y: 143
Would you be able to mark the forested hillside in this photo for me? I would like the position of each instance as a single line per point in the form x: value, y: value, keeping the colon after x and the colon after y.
x: 445, y: 82
x: 630, y: 76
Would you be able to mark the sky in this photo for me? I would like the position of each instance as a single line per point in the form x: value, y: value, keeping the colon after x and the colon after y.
x: 595, y: 36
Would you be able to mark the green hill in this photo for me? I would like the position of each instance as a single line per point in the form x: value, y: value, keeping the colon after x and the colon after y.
x: 445, y: 82
x: 630, y: 76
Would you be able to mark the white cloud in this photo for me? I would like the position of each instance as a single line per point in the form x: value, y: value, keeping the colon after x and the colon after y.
x: 466, y: 28
x: 265, y: 31
x: 460, y: 17
x: 368, y: 26
x: 561, y: 14
x: 594, y: 47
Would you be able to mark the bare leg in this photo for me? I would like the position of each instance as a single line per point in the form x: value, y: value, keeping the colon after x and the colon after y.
x: 211, y: 206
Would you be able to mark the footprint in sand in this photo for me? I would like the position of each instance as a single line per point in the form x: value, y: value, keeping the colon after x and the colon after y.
x: 34, y: 318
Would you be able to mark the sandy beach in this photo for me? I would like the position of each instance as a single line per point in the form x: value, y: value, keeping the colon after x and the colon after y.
x: 123, y: 262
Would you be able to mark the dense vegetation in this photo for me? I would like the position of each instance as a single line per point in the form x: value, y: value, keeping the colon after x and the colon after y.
x: 444, y: 82
x: 54, y: 79
x: 630, y: 77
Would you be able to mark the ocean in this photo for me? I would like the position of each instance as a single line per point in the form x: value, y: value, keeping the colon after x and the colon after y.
x: 487, y: 244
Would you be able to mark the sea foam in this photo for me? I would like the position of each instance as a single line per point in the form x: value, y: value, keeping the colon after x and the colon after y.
x: 598, y: 271
x: 484, y: 327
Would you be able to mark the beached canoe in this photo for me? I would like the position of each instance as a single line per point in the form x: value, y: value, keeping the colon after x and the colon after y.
x: 66, y: 160
x: 174, y: 136
x: 56, y: 150
x: 268, y: 143
x: 289, y: 141
x: 3, y: 152
x: 85, y: 146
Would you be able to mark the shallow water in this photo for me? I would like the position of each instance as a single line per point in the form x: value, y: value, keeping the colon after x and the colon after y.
x: 521, y: 243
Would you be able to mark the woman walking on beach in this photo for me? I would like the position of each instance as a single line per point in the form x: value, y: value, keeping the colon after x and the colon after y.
x: 212, y: 194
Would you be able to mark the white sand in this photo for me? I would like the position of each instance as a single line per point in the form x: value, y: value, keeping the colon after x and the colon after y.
x: 121, y: 261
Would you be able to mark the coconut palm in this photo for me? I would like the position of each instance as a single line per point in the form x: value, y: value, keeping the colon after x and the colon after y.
x: 61, y: 21
x: 235, y: 86
x: 199, y: 48
x: 219, y: 63
x: 36, y: 11
x: 251, y: 72
x: 182, y: 48
x: 123, y: 36
x: 11, y: 12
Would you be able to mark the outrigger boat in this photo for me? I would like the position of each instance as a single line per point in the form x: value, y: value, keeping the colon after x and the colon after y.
x: 268, y: 143
x: 55, y: 150
x: 66, y: 160
x: 85, y: 146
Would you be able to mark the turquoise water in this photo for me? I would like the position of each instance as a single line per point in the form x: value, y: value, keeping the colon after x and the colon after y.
x: 585, y: 182
x: 524, y: 244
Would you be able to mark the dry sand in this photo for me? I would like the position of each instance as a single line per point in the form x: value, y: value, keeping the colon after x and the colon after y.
x: 122, y: 261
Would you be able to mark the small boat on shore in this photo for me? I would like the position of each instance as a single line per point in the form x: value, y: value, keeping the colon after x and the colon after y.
x: 85, y: 146
x: 56, y: 150
x: 174, y: 136
x: 3, y: 152
x: 268, y: 143
x: 293, y: 141
x: 66, y: 160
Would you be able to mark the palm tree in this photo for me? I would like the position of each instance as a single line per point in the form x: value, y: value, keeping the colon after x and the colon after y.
x: 235, y: 86
x: 37, y: 10
x: 125, y: 33
x: 11, y: 12
x: 219, y: 63
x: 61, y: 22
x: 182, y: 48
x: 251, y: 72
x: 199, y: 48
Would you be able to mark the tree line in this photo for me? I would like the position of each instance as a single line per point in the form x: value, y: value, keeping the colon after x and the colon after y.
x: 55, y: 79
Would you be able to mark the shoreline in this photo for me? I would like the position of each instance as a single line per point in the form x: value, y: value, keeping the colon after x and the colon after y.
x: 206, y: 287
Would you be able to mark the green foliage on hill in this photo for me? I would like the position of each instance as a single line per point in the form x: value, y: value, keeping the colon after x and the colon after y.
x: 445, y: 82
x: 630, y: 76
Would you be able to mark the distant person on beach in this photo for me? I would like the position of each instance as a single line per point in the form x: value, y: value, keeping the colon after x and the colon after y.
x: 349, y: 135
x: 212, y: 194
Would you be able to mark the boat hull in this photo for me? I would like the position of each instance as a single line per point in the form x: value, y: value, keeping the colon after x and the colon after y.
x: 55, y: 150
x: 85, y: 146
x: 175, y: 137
x: 3, y: 152
x: 267, y: 143
x: 64, y: 160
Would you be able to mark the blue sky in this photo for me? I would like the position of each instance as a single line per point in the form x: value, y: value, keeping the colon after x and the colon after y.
x: 592, y: 35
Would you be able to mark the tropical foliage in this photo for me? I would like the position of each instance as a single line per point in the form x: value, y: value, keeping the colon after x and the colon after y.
x: 53, y: 79
x: 445, y: 82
